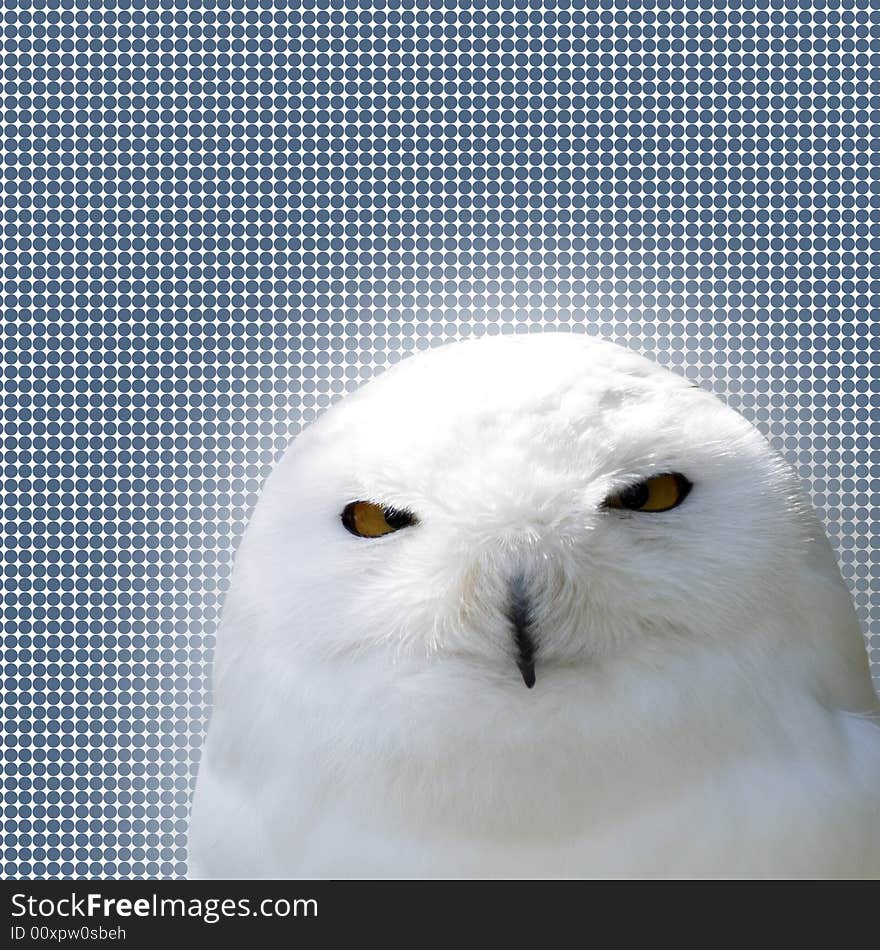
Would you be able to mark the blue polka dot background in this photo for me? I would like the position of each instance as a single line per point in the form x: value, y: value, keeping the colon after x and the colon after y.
x: 219, y: 216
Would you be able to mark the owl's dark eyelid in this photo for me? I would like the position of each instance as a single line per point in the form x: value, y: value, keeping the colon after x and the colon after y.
x: 399, y: 517
x: 347, y: 518
x: 685, y: 485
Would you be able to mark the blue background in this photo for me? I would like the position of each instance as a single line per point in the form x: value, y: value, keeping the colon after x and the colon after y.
x: 220, y: 216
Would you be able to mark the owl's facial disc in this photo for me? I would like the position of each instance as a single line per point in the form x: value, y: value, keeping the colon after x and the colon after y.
x: 656, y: 493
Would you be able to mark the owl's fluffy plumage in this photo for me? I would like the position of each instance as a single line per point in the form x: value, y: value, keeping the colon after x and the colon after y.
x: 703, y: 704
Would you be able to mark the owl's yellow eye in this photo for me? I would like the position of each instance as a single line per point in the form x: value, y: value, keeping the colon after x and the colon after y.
x: 366, y: 519
x: 660, y: 493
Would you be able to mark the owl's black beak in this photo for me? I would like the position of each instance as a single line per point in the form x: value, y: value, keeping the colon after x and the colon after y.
x: 519, y: 612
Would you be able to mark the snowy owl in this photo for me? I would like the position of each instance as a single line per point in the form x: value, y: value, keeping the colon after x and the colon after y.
x: 532, y: 606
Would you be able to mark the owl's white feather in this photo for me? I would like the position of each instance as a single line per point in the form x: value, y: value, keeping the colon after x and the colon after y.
x: 703, y: 704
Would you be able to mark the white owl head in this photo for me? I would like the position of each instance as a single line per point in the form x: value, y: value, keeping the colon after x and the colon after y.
x: 517, y: 506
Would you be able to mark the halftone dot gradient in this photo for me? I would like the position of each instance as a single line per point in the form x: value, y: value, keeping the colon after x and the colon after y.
x: 221, y: 215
